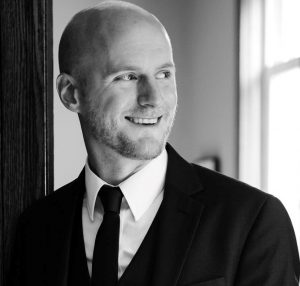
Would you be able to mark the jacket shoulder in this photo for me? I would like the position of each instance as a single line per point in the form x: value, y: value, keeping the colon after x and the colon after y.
x: 238, y: 203
x: 46, y: 206
x: 221, y: 189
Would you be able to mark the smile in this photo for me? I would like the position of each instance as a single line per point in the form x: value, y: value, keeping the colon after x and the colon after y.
x: 143, y: 121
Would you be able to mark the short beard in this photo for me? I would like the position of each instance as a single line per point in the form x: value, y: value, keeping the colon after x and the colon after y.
x: 109, y: 135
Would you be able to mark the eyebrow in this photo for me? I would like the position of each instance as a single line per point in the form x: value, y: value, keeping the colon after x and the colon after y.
x: 121, y: 68
x: 167, y: 65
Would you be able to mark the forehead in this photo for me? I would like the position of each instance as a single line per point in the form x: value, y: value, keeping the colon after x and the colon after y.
x: 138, y: 44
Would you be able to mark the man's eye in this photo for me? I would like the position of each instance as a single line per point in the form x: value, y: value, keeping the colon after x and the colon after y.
x: 127, y: 77
x: 163, y: 75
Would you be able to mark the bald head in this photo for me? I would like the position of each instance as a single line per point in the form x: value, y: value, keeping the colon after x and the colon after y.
x: 90, y: 33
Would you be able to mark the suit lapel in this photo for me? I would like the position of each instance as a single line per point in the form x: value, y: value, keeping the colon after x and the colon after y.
x: 179, y: 218
x: 59, y: 232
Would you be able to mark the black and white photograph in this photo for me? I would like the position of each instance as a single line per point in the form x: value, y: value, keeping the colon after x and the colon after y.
x: 150, y: 143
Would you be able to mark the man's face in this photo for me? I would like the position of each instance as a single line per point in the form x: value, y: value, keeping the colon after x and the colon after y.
x: 130, y: 100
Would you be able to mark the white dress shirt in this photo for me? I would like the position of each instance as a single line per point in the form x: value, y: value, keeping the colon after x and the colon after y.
x: 143, y: 194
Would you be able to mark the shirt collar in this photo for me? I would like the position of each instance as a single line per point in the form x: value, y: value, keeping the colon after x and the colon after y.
x: 139, y: 190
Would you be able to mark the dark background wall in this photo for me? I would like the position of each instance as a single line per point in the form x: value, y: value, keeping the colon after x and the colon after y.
x: 26, y: 125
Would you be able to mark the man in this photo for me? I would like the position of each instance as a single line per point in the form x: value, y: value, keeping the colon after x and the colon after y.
x: 138, y: 214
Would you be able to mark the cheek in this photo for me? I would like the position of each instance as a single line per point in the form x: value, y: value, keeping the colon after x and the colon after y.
x: 170, y: 95
x: 113, y: 103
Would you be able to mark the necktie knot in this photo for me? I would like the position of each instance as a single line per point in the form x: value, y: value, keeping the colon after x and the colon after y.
x: 111, y: 198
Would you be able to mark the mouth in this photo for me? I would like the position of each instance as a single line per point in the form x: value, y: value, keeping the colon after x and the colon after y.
x: 144, y: 121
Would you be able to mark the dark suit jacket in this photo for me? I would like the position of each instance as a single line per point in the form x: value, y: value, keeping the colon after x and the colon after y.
x: 214, y: 231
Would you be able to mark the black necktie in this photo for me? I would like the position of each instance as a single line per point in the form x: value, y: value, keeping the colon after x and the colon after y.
x: 106, y: 249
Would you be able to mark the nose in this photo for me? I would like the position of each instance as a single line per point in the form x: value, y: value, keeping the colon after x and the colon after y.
x: 149, y: 94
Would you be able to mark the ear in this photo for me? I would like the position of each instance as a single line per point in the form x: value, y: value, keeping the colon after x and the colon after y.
x: 68, y: 92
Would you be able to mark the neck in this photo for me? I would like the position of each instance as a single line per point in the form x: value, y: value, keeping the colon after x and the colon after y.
x: 111, y: 166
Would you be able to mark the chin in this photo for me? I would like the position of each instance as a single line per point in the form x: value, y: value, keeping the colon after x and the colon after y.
x: 142, y: 149
x: 149, y: 150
